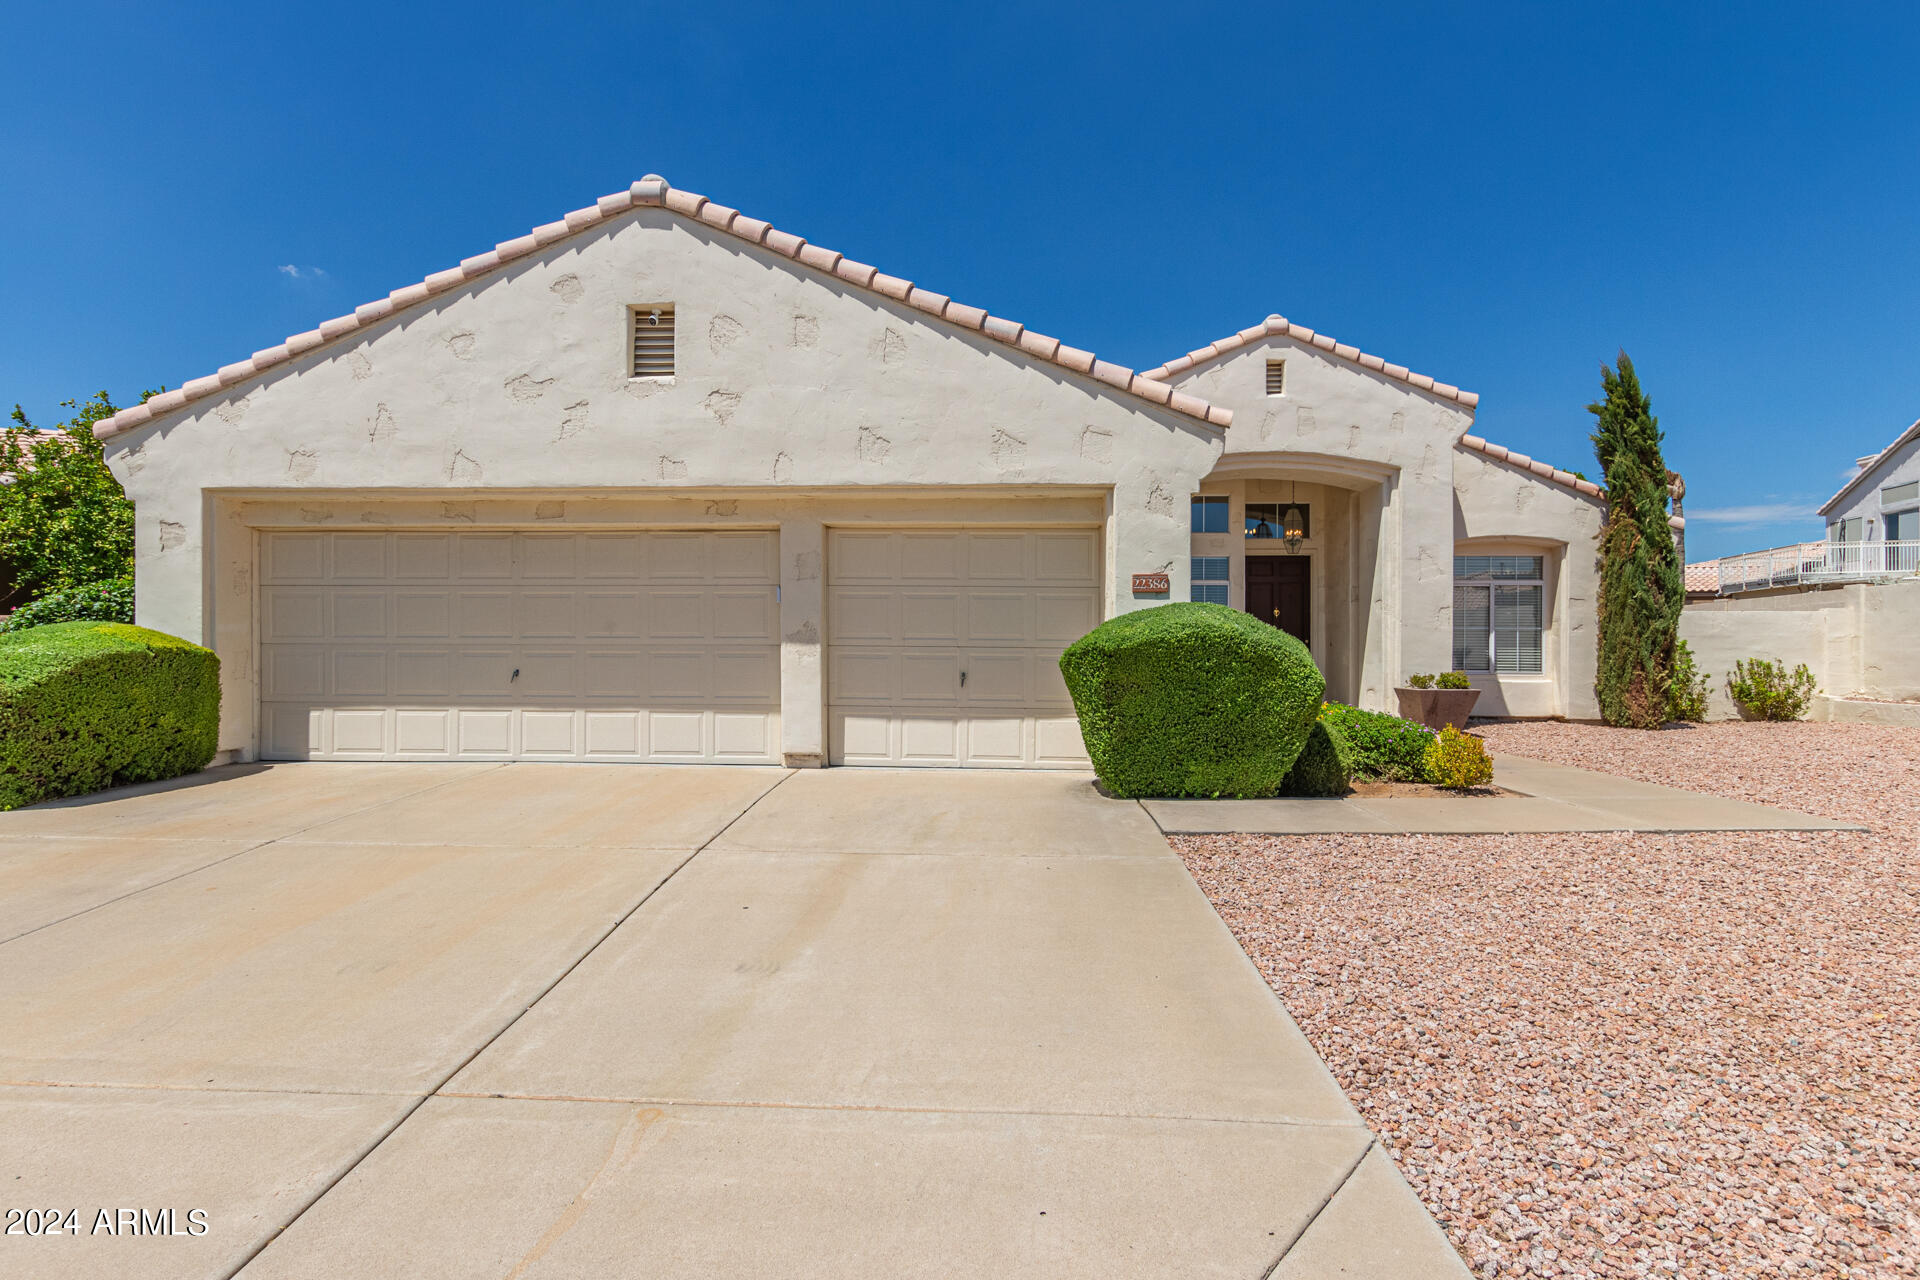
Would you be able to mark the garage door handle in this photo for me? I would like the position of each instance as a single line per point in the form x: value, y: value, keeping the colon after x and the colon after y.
x: 514, y: 676
x: 963, y: 679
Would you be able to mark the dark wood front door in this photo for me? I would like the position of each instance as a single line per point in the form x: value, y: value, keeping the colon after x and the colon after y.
x: 1277, y: 592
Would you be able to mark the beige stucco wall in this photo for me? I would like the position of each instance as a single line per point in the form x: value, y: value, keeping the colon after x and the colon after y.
x: 1499, y: 509
x: 1857, y: 639
x: 796, y: 399
x: 1410, y: 498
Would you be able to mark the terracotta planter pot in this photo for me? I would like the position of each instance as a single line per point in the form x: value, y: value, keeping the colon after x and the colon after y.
x: 1437, y: 708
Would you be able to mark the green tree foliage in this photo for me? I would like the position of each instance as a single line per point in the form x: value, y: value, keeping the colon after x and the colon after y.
x: 64, y: 520
x: 1640, y: 584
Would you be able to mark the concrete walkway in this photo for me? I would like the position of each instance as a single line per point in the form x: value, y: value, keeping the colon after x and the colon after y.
x: 1549, y: 798
x: 566, y: 1020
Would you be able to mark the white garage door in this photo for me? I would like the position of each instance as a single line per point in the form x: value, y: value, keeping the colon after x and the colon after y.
x: 551, y: 646
x: 944, y: 645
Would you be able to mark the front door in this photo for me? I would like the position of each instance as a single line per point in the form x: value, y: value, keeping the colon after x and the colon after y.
x: 1277, y: 593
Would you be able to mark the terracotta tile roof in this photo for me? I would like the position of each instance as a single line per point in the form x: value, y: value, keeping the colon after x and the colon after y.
x: 1704, y: 577
x: 1547, y: 471
x: 653, y: 191
x: 1281, y: 327
x: 1866, y: 467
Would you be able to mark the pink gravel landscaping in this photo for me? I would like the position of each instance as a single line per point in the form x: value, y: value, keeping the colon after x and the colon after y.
x: 1627, y: 1055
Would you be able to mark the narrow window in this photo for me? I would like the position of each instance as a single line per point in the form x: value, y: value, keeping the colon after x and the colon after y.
x: 1276, y: 377
x: 1209, y: 514
x: 1499, y: 614
x: 1210, y: 579
x: 652, y: 340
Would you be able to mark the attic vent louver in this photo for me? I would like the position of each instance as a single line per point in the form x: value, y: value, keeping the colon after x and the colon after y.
x: 652, y: 341
x: 1276, y: 377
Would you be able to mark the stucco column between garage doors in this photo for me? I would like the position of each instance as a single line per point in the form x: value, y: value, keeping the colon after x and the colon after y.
x: 803, y: 694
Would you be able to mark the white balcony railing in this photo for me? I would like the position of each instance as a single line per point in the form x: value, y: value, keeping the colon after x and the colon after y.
x: 1808, y: 563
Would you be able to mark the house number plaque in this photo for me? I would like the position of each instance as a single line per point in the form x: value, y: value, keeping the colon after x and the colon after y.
x: 1148, y: 583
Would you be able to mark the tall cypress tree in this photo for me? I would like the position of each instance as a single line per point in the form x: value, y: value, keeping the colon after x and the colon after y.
x: 1640, y: 582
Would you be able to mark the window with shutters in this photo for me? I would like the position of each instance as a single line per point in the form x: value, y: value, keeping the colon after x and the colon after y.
x: 1210, y: 579
x: 651, y: 350
x: 1499, y: 614
x: 1276, y: 377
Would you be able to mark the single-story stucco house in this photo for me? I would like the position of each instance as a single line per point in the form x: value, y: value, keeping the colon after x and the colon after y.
x: 660, y: 482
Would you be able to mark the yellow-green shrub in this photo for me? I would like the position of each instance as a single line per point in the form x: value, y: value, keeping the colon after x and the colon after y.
x: 1458, y: 760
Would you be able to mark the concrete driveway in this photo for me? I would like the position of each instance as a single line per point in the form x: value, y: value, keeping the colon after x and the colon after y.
x: 573, y: 1020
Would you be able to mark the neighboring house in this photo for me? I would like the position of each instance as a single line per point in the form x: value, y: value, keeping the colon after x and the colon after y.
x: 661, y: 482
x: 1881, y: 504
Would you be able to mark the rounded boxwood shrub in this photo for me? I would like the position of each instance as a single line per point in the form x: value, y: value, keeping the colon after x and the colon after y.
x: 1322, y: 769
x: 1192, y: 700
x: 86, y: 705
x: 109, y: 601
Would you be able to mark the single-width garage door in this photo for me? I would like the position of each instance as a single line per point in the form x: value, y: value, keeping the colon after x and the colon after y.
x: 944, y: 644
x: 479, y: 645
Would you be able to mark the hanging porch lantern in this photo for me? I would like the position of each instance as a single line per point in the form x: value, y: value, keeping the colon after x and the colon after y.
x: 1293, y: 529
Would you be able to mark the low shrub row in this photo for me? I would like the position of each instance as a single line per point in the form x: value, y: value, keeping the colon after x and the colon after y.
x: 87, y: 705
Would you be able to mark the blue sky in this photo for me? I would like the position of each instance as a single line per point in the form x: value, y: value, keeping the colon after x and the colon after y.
x: 1500, y: 196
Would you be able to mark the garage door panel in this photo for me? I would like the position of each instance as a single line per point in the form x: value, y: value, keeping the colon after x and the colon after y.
x: 480, y: 557
x: 423, y: 615
x: 548, y: 645
x: 294, y: 613
x: 929, y: 676
x: 614, y: 673
x: 428, y: 733
x: 1061, y: 617
x: 1066, y: 557
x: 295, y: 672
x: 294, y: 557
x: 618, y: 556
x: 862, y: 616
x: 424, y: 557
x: 359, y: 615
x: 679, y: 557
x: 746, y: 675
x: 932, y: 557
x: 546, y: 615
x: 359, y: 673
x: 864, y: 675
x: 549, y: 556
x: 929, y: 616
x: 359, y: 556
x: 999, y: 615
x: 911, y: 610
x: 679, y: 675
x: 481, y: 615
x: 745, y: 557
x: 996, y: 678
x: 744, y: 613
x: 863, y: 557
x: 422, y: 673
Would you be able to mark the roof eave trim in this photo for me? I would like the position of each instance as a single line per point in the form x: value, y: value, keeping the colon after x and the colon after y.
x: 1277, y: 326
x: 653, y: 191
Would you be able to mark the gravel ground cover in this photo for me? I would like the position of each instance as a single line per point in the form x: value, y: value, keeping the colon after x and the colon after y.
x: 1620, y: 1054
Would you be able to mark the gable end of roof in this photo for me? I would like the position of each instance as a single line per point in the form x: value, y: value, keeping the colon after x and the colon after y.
x: 1867, y: 468
x: 653, y: 191
x: 1281, y: 327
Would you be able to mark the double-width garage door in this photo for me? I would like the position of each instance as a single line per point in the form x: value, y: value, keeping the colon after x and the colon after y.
x: 656, y: 646
x: 944, y: 645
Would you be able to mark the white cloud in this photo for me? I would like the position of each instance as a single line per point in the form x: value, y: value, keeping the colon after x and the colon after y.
x: 1755, y: 513
x: 302, y: 273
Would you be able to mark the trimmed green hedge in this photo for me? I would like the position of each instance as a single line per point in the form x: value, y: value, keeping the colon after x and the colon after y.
x: 1381, y: 746
x: 86, y: 705
x: 1322, y: 768
x: 1192, y: 700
